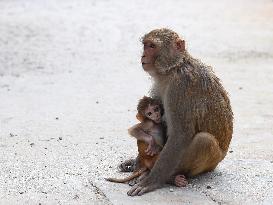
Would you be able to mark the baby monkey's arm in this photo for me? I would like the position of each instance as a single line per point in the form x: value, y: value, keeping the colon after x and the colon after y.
x: 138, y: 132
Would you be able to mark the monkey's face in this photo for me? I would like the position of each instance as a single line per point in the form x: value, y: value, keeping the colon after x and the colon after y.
x: 150, y: 53
x: 162, y: 51
x: 153, y: 113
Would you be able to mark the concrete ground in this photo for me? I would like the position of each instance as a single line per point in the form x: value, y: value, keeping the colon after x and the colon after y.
x: 70, y: 79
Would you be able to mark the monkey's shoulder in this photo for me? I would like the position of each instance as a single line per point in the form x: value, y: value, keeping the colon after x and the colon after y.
x: 194, y: 79
x: 147, y: 124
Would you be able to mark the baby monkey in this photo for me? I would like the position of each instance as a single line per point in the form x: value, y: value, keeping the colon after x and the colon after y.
x: 150, y: 134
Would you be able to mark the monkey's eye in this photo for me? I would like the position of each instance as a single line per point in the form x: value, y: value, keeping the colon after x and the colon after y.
x: 148, y: 45
x: 149, y: 113
x: 156, y: 109
x: 152, y: 45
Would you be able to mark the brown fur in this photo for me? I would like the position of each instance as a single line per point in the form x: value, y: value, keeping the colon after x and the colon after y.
x: 145, y: 162
x: 144, y: 159
x: 197, y: 109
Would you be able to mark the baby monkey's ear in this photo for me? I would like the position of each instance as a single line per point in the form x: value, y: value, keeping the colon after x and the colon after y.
x: 140, y: 117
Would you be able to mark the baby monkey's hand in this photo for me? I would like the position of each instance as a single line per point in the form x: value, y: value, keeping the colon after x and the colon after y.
x: 153, y: 148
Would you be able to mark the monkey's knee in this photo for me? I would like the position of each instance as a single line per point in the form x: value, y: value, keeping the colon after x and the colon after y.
x: 203, y: 154
x: 206, y: 145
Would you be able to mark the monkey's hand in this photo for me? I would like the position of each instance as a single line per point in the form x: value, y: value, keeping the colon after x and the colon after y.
x: 138, y: 179
x: 144, y: 186
x: 152, y: 148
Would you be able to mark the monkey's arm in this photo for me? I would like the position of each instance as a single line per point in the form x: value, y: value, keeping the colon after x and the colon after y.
x: 179, y: 117
x: 137, y: 131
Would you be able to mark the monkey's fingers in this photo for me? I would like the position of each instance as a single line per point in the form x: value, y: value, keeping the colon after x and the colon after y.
x: 149, y: 151
x: 144, y: 190
x: 139, y: 190
x: 148, y: 148
x: 134, y: 190
x: 143, y: 176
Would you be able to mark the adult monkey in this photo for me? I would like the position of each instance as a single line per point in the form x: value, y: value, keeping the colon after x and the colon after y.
x: 197, y: 110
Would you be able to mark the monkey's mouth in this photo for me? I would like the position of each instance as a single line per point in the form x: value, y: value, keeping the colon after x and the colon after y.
x: 146, y: 65
x: 158, y: 121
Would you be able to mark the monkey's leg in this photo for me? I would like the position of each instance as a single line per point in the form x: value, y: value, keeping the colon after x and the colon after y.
x: 202, y: 155
x: 129, y: 165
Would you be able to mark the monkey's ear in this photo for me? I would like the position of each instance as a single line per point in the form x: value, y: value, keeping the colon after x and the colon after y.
x: 180, y: 45
x: 140, y: 117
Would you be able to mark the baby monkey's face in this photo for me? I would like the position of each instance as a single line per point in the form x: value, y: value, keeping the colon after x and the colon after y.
x: 153, y: 112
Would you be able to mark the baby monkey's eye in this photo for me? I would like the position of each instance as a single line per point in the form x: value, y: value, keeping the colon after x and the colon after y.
x: 156, y: 109
x: 149, y: 113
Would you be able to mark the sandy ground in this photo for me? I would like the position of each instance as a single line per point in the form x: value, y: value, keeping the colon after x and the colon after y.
x: 70, y: 79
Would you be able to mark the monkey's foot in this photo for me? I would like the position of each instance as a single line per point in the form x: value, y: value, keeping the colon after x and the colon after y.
x: 127, y: 166
x: 178, y: 180
x: 142, y: 188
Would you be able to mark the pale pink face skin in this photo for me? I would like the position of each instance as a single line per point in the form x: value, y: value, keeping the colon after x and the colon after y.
x: 150, y: 52
x: 153, y: 113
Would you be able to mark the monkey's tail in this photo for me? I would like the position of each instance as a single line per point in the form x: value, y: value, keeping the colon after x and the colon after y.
x: 126, y: 179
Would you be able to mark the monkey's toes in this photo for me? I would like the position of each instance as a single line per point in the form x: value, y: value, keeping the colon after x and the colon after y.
x: 180, y: 181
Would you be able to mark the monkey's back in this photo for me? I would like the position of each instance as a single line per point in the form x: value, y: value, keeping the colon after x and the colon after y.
x: 208, y: 100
